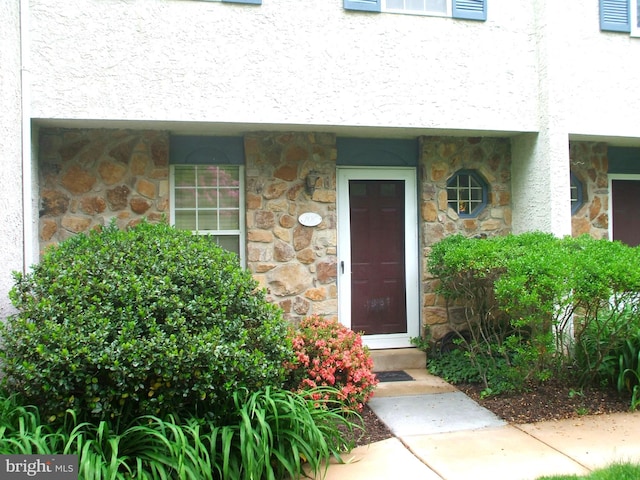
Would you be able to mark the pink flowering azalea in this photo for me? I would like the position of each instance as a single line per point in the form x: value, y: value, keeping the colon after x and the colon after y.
x: 331, y: 354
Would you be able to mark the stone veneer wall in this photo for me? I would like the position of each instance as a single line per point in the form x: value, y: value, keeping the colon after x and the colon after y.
x: 440, y: 158
x: 296, y: 264
x: 87, y: 177
x: 590, y: 164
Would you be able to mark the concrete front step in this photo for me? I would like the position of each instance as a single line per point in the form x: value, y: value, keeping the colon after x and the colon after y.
x: 398, y: 359
x: 423, y: 383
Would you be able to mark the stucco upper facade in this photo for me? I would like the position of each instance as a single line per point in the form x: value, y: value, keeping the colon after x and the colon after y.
x: 284, y: 62
x: 532, y: 93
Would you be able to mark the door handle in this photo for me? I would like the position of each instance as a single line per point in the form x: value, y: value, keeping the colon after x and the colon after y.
x: 342, y: 267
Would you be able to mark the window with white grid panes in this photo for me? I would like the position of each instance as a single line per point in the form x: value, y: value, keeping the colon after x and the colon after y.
x: 423, y: 7
x: 208, y: 200
x: 458, y: 9
x: 466, y: 193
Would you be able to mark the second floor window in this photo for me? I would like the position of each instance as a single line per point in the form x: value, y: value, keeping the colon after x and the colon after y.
x: 430, y: 7
x: 462, y: 9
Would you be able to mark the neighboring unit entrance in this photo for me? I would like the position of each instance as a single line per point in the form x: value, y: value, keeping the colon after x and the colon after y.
x: 378, y: 269
x: 625, y: 205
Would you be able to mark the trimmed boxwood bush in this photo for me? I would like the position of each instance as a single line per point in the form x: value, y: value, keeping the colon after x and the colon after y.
x: 148, y: 320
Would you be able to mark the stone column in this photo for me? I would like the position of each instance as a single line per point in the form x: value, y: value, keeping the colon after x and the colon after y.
x: 440, y: 159
x: 287, y: 175
x: 589, y: 163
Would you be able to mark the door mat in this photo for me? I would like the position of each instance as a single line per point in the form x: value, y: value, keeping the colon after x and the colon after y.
x: 394, y: 376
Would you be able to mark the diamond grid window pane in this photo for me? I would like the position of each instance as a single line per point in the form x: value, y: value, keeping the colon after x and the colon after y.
x: 466, y: 193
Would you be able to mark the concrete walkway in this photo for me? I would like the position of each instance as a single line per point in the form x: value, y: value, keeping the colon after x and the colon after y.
x: 440, y: 433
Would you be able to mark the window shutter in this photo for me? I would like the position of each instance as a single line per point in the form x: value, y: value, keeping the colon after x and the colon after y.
x: 366, y: 5
x: 615, y: 16
x: 253, y: 2
x: 470, y: 9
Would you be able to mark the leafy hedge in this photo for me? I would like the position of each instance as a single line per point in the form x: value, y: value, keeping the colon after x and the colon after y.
x: 532, y: 305
x: 150, y: 320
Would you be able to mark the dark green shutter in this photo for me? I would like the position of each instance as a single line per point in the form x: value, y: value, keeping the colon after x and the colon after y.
x: 203, y: 150
x: 377, y: 152
x: 615, y: 16
x: 470, y: 9
x: 366, y: 5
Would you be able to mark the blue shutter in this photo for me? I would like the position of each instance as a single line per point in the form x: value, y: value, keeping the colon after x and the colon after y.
x: 615, y: 16
x: 470, y: 9
x: 254, y: 2
x: 366, y: 5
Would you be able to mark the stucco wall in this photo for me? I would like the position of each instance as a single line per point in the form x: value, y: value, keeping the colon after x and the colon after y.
x: 11, y: 228
x: 601, y: 74
x: 286, y: 61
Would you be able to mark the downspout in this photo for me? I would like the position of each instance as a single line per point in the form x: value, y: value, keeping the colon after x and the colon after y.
x: 27, y: 179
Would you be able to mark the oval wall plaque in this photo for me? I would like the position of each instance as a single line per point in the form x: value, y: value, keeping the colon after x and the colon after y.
x: 310, y: 219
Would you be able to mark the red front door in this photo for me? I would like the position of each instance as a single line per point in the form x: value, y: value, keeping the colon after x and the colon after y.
x: 378, y: 288
x: 625, y: 198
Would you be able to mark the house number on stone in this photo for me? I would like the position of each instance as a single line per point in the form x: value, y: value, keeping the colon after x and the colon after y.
x: 310, y: 219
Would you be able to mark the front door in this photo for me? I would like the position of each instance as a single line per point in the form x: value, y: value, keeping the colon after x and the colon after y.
x: 378, y: 254
x: 625, y: 205
x: 378, y: 293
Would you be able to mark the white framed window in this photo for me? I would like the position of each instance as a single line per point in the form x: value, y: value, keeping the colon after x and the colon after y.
x: 419, y: 7
x: 635, y: 18
x: 460, y: 9
x: 209, y: 200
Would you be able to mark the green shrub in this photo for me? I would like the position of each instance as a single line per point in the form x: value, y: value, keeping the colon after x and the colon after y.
x: 507, y: 289
x: 533, y: 305
x: 150, y: 320
x: 454, y: 367
x: 607, y: 298
x: 330, y: 354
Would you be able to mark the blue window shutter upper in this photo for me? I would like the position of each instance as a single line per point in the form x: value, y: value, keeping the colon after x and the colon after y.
x: 254, y: 2
x: 470, y: 9
x: 615, y: 15
x: 366, y: 5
